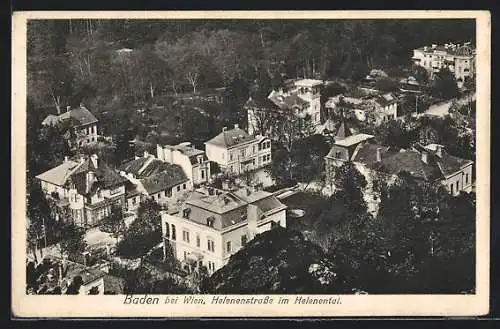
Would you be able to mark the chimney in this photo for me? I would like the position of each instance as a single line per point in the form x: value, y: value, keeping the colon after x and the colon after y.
x: 249, y: 191
x: 224, y: 128
x: 68, y: 108
x: 236, y: 126
x: 379, y: 156
x: 146, y: 154
x: 94, y: 159
x: 252, y: 218
x: 434, y: 46
x: 439, y: 150
x: 82, y: 159
x: 225, y: 185
x: 66, y: 158
x: 424, y: 156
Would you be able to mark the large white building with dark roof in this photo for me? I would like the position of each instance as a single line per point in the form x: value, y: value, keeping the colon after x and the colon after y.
x: 213, y: 224
x: 460, y: 59
x: 236, y: 152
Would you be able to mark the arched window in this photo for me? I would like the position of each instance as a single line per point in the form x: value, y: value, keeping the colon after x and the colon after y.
x: 174, y: 237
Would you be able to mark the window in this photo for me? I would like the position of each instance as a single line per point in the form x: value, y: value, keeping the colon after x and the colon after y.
x: 197, y: 240
x: 457, y: 186
x: 203, y: 174
x: 178, y: 188
x: 228, y: 246
x: 253, y: 149
x: 185, y: 254
x: 230, y: 156
x: 243, y: 153
x: 133, y: 201
x: 183, y: 186
x: 174, y: 237
x: 466, y: 178
x: 211, y: 245
x: 243, y: 240
x: 167, y: 230
x: 185, y: 236
x: 451, y: 188
x: 165, y: 193
x: 260, y: 147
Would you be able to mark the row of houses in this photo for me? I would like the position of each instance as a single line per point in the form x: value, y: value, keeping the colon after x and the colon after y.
x: 429, y: 163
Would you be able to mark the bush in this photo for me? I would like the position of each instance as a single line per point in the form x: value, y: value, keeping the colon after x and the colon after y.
x: 135, y: 244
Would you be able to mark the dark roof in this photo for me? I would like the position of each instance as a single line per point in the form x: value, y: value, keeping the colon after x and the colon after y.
x: 105, y: 177
x: 437, y: 167
x: 81, y: 115
x: 367, y: 153
x: 131, y: 190
x: 172, y: 175
x: 231, y: 138
x: 287, y: 101
x: 133, y: 166
x: 262, y: 102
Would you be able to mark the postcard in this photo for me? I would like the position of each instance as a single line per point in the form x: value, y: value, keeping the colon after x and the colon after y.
x: 250, y: 164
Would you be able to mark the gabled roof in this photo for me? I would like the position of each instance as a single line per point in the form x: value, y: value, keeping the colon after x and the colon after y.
x: 58, y: 175
x: 392, y: 162
x: 230, y: 138
x: 105, y: 177
x: 81, y: 115
x: 287, y: 101
x: 172, y: 175
x: 76, y: 173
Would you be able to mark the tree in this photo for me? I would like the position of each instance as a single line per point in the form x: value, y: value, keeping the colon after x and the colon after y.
x: 114, y: 222
x: 144, y: 233
x: 444, y: 85
x: 289, y: 129
x: 39, y: 218
x: 387, y: 85
x: 70, y: 238
x: 75, y: 285
x: 420, y: 74
x: 349, y: 184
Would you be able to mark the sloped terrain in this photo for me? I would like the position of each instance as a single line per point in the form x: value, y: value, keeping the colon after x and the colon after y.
x: 277, y: 261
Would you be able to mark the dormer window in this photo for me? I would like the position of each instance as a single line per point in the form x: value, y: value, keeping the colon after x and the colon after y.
x: 210, y: 221
x: 186, y: 212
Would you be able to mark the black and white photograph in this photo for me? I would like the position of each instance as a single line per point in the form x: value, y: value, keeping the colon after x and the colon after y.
x: 226, y: 161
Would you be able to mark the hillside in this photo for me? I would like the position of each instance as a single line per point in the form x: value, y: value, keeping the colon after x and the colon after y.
x: 277, y: 261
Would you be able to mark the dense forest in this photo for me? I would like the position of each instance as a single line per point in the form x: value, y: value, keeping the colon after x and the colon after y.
x: 104, y: 60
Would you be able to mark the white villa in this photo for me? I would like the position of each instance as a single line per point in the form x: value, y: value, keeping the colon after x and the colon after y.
x: 213, y: 225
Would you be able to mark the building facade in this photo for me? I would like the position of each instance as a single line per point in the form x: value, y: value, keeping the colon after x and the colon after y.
x: 88, y: 188
x: 236, y: 152
x: 459, y: 59
x: 149, y: 177
x: 429, y: 163
x: 194, y: 162
x: 301, y: 97
x: 215, y: 224
x: 374, y: 109
x: 83, y: 125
